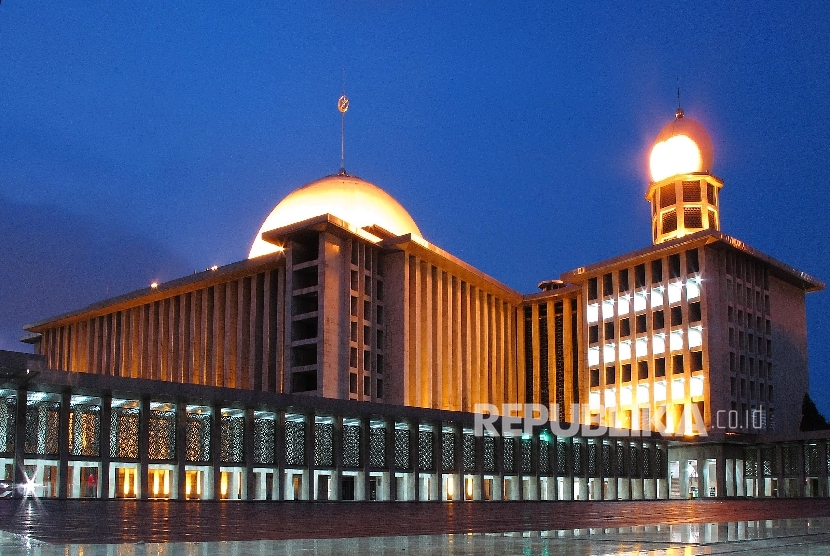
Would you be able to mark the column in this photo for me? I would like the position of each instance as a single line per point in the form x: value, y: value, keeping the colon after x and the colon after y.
x: 63, y: 446
x: 143, y: 448
x: 337, y: 457
x: 389, y: 446
x: 181, y: 449
x: 20, y: 439
x: 106, y: 431
x: 248, y: 455
x: 279, y: 447
x: 216, y: 449
x: 365, y: 455
x: 311, y: 433
x: 437, y: 459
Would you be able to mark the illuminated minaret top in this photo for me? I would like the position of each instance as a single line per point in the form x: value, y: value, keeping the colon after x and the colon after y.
x: 683, y: 193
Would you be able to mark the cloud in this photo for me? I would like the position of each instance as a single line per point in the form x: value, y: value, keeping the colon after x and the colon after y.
x: 52, y: 261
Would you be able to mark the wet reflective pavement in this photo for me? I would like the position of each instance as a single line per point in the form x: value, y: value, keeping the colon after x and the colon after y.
x: 97, y: 528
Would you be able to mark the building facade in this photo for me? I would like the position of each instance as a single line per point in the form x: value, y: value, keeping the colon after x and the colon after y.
x: 697, y: 337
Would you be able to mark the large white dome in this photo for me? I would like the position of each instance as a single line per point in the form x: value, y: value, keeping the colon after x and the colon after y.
x: 349, y: 198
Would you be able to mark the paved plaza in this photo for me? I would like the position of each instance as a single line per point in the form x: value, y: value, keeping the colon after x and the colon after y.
x: 118, y: 528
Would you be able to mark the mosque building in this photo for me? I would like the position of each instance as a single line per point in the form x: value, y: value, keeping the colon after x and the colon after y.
x: 346, y: 357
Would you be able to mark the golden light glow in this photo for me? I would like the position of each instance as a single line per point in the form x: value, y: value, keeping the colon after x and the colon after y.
x: 678, y: 154
x: 156, y: 483
x: 352, y: 199
x: 223, y: 484
x: 154, y: 285
x: 126, y: 482
x: 450, y: 488
x: 469, y: 488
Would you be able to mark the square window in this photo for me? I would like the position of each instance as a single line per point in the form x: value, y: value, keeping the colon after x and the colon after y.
x: 674, y: 265
x: 692, y: 262
x: 640, y: 276
x: 594, y: 377
x: 642, y: 370
x: 367, y: 285
x: 593, y: 334
x: 610, y: 375
x: 367, y: 386
x: 379, y: 367
x: 641, y: 324
x: 657, y: 271
x: 353, y: 306
x: 626, y: 372
x: 625, y: 328
x: 353, y: 331
x: 676, y: 316
x: 379, y: 392
x: 697, y: 361
x: 367, y: 360
x: 609, y: 330
x: 732, y: 364
x: 367, y: 310
x: 623, y: 278
x: 353, y: 358
x: 353, y: 281
x: 380, y: 315
x: 660, y: 367
x: 593, y: 291
x: 658, y: 321
x: 608, y: 284
x: 677, y: 364
x: 353, y: 383
x: 379, y: 294
x: 367, y: 334
x: 380, y: 339
x: 694, y: 312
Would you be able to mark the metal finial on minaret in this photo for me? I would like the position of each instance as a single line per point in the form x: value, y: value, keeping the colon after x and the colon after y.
x: 343, y: 106
x: 679, y: 114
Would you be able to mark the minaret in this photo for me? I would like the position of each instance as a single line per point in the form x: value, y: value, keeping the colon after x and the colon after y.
x: 683, y: 192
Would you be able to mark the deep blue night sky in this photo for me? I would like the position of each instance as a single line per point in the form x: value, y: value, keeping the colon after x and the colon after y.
x: 141, y: 141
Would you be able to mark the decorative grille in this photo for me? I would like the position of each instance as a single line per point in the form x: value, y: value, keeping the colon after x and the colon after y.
x: 323, y: 444
x: 647, y: 471
x: 620, y: 460
x: 351, y: 446
x: 489, y: 454
x: 295, y: 443
x: 162, y: 434
x: 577, y: 453
x: 592, y: 459
x: 469, y: 454
x: 606, y: 461
x: 426, y: 461
x: 42, y: 428
x: 508, y: 449
x: 264, y: 440
x: 402, y: 461
x: 85, y: 430
x: 124, y: 433
x: 770, y: 461
x: 561, y: 458
x: 8, y: 410
x: 233, y: 438
x: 811, y: 460
x: 544, y: 456
x: 633, y: 462
x: 377, y: 448
x: 448, y: 451
x: 197, y: 437
x: 751, y: 462
x: 527, y: 455
x: 790, y: 460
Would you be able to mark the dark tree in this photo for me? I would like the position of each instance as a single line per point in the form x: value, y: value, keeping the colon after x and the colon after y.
x: 811, y: 419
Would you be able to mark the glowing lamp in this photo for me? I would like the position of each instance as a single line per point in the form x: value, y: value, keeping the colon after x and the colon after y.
x: 682, y: 147
x: 676, y: 155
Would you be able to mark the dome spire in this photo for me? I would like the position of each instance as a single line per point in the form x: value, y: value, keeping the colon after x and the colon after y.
x: 679, y: 113
x: 343, y: 106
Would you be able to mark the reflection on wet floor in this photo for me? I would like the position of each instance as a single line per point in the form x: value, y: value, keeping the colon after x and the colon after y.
x: 795, y: 537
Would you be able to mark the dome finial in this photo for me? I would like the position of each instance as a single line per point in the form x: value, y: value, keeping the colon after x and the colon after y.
x: 679, y: 113
x: 343, y: 106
